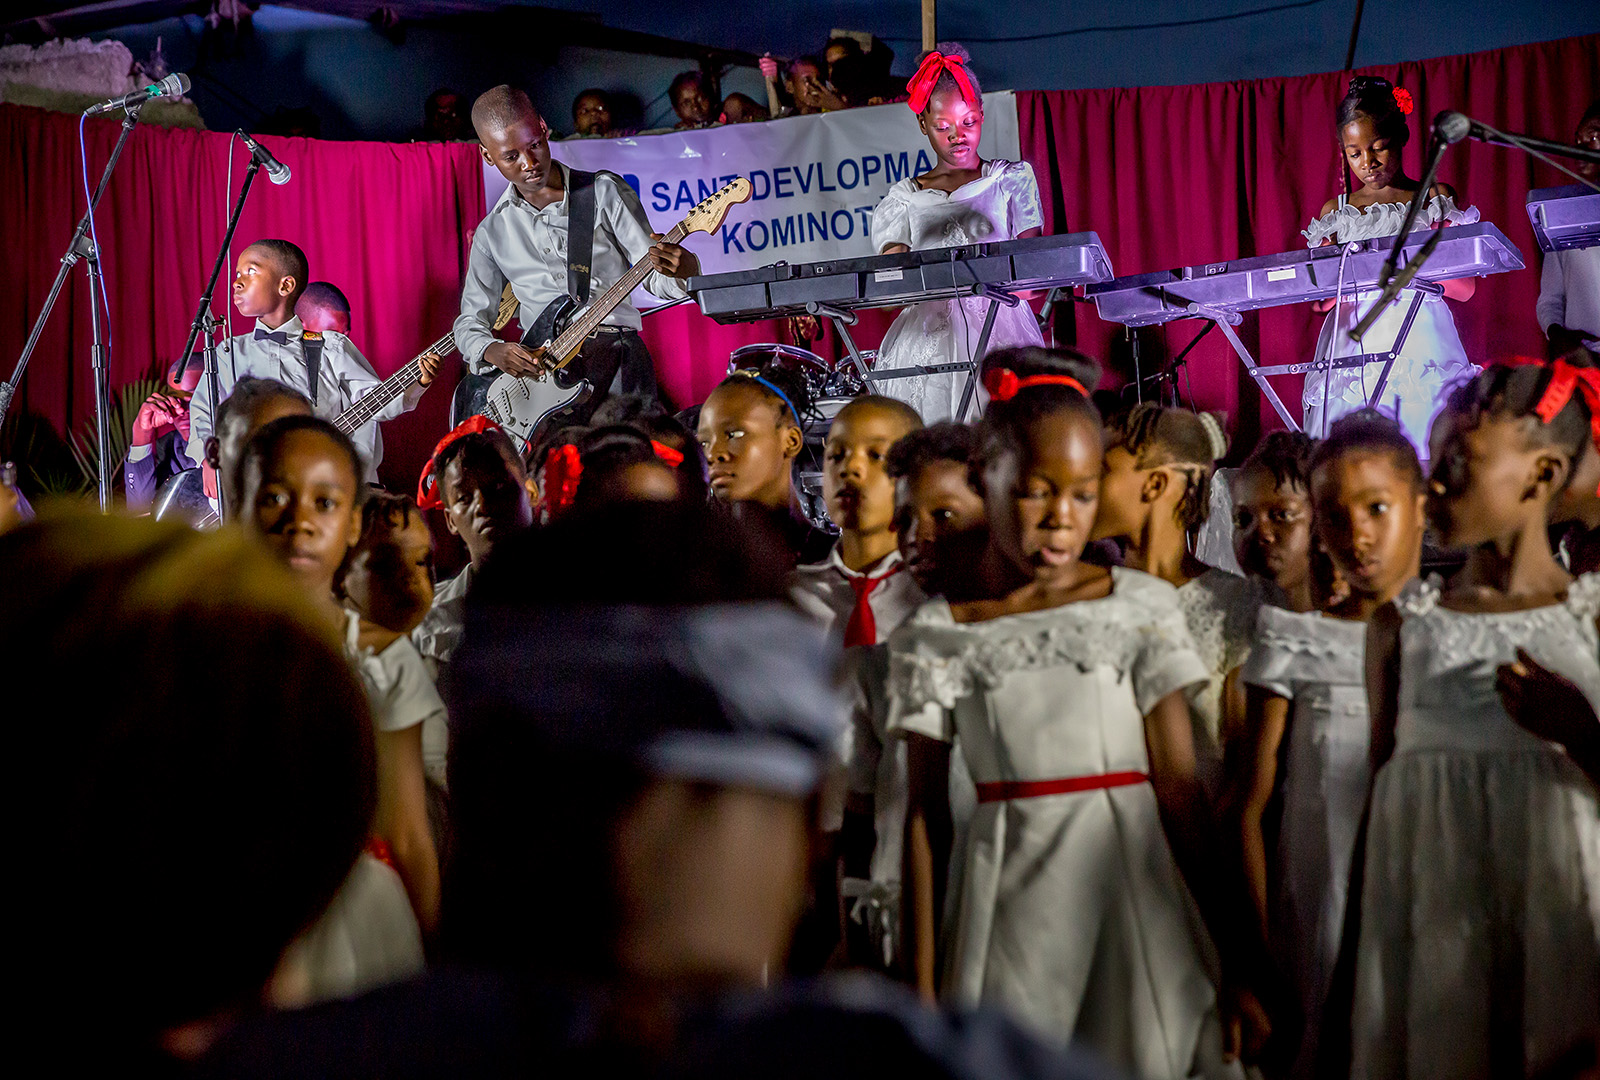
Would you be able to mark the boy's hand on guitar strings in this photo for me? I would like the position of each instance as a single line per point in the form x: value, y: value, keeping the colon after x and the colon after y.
x: 672, y: 260
x: 514, y: 359
x: 429, y: 363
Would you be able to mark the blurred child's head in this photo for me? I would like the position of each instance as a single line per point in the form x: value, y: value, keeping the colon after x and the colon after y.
x: 939, y: 514
x: 388, y: 575
x: 302, y: 493
x: 1372, y: 131
x: 1503, y: 450
x: 1368, y: 497
x: 855, y: 480
x: 1159, y: 461
x: 483, y: 490
x: 1580, y: 499
x: 323, y: 307
x: 664, y: 430
x: 269, y: 279
x: 230, y: 793
x: 680, y: 712
x: 254, y: 403
x: 750, y: 430
x: 1040, y: 457
x: 1272, y: 511
x: 952, y: 117
x: 622, y: 464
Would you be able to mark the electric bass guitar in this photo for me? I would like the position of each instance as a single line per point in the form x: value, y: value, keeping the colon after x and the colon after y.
x: 357, y: 416
x: 521, y: 404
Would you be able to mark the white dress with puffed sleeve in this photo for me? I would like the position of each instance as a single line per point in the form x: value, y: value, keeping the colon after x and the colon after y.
x: 1479, y: 951
x: 1071, y: 912
x: 998, y: 205
x: 1432, y: 360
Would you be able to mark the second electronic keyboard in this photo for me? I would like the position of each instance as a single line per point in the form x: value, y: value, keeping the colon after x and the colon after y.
x: 1564, y: 218
x: 1295, y: 277
x: 1039, y: 262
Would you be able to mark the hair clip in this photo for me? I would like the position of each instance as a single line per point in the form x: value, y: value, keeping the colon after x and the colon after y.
x: 1003, y: 384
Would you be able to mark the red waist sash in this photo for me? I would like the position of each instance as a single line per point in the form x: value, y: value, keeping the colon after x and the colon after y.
x: 1001, y: 790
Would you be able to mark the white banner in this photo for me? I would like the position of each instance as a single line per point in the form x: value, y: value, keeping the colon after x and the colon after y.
x: 815, y: 178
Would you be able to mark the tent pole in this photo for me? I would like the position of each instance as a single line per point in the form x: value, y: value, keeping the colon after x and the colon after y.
x: 929, y: 37
x: 1350, y: 53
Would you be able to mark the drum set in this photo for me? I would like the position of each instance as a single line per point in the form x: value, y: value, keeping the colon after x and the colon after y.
x: 831, y: 386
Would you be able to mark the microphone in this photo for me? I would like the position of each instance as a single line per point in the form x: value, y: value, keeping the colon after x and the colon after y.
x: 1451, y: 127
x: 171, y: 86
x: 277, y: 171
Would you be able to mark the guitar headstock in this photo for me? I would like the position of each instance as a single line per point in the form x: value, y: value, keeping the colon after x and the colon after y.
x: 508, y: 308
x: 707, y: 215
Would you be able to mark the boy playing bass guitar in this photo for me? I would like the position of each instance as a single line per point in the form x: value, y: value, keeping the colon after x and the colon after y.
x: 524, y: 240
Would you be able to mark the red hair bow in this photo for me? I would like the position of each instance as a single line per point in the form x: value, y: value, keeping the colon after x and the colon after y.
x: 1565, y: 379
x: 927, y: 77
x: 1402, y: 100
x: 1003, y: 384
x: 428, y: 486
x: 562, y: 470
x: 669, y: 456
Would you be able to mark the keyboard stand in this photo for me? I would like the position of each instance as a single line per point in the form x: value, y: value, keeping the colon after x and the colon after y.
x: 1226, y: 321
x: 1361, y: 360
x: 842, y: 321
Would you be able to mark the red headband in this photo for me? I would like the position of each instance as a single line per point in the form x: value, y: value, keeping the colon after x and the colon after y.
x: 669, y: 456
x: 1003, y: 383
x: 927, y: 77
x: 562, y: 470
x: 1564, y: 379
x: 428, y: 488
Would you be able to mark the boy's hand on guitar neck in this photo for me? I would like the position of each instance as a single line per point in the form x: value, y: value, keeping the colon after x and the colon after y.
x: 673, y: 260
x: 428, y: 362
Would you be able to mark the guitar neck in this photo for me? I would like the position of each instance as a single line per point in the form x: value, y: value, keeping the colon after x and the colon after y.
x: 566, y: 346
x: 379, y: 397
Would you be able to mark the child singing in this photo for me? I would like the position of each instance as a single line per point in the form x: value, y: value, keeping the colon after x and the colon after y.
x: 1370, y: 125
x: 1479, y: 946
x: 963, y: 199
x: 1067, y: 693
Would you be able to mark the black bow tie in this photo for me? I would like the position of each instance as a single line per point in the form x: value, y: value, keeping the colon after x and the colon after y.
x: 277, y: 337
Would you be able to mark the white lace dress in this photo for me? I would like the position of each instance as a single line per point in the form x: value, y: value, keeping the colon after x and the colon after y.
x: 1318, y: 664
x: 1071, y: 912
x: 1432, y: 360
x: 1220, y: 609
x: 1001, y: 203
x: 1479, y: 953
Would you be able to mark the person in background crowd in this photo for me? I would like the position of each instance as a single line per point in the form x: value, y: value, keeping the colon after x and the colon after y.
x: 802, y: 84
x: 323, y: 307
x: 742, y: 109
x: 1569, y: 285
x: 158, y: 443
x: 238, y: 798
x: 253, y: 404
x: 694, y: 98
x: 591, y: 115
x: 837, y: 49
x: 444, y: 118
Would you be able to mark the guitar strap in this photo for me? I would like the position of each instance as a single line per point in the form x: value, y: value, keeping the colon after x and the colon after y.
x: 311, y: 342
x: 580, y: 234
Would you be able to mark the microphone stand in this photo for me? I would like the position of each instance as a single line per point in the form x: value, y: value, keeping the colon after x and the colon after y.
x: 82, y: 246
x: 203, y: 322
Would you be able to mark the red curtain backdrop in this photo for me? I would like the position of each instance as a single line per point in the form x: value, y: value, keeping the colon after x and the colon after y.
x: 1177, y: 176
x: 386, y: 223
x: 1168, y: 176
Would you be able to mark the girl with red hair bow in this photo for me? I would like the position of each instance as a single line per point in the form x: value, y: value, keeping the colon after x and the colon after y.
x: 963, y: 199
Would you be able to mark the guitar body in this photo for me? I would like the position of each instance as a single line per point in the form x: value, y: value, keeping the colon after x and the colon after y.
x: 520, y: 405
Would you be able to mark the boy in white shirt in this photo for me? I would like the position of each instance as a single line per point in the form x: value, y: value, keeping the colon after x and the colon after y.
x: 270, y: 277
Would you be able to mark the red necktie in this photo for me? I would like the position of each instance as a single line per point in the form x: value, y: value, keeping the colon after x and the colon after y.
x: 862, y: 629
